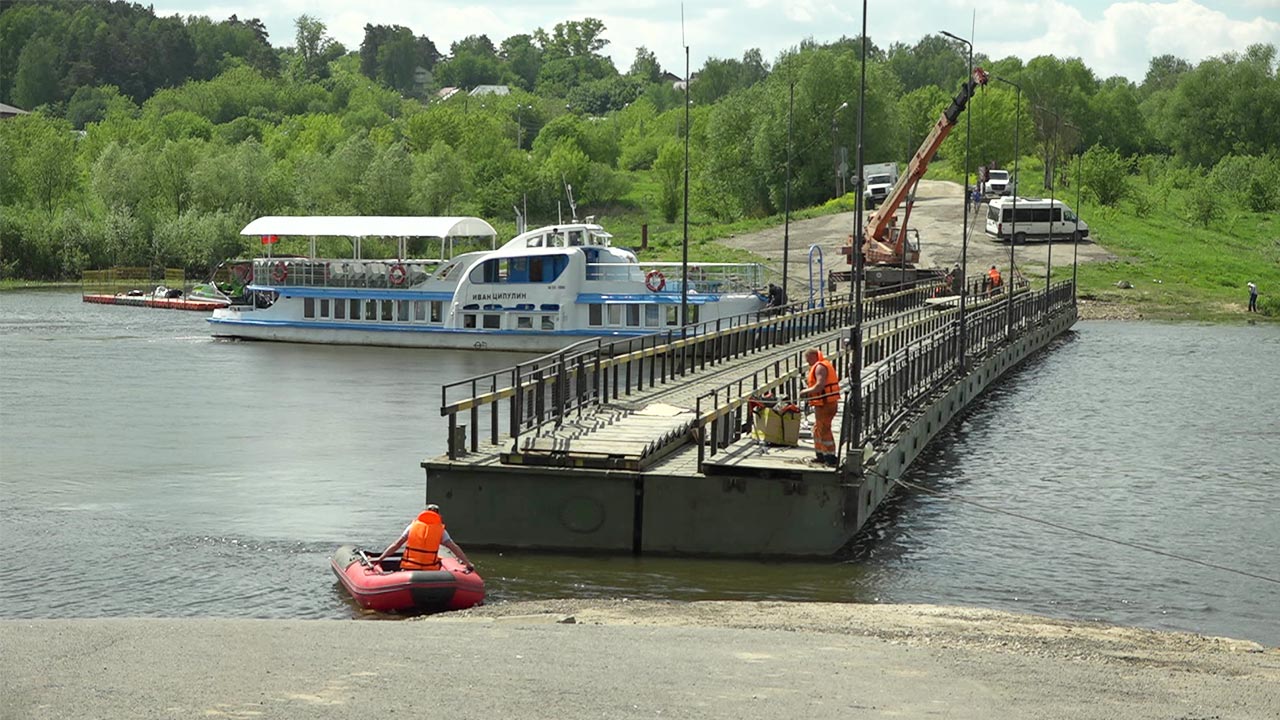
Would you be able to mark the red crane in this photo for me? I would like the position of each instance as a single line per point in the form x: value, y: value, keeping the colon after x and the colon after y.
x: 885, y: 243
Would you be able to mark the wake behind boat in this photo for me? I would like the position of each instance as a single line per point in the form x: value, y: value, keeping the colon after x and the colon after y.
x: 541, y: 291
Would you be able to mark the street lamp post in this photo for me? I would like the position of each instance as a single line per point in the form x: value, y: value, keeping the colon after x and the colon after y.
x: 786, y: 225
x: 1075, y: 236
x: 1053, y: 162
x: 835, y: 147
x: 964, y: 239
x: 1013, y: 231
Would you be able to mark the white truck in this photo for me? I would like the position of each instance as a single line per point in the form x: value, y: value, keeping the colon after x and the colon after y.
x: 877, y: 181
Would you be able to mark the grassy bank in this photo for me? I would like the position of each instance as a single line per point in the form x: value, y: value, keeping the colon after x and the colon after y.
x: 11, y: 284
x: 1181, y: 270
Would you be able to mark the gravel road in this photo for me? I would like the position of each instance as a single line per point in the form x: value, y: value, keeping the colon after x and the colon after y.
x: 938, y: 215
x: 619, y: 659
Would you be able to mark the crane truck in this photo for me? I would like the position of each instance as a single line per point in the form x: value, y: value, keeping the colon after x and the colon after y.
x: 889, y: 250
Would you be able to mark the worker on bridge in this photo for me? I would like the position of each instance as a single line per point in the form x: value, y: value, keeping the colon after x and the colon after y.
x: 823, y: 394
x: 994, y: 281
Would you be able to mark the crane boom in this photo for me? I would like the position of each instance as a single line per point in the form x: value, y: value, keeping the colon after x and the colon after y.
x: 882, y: 242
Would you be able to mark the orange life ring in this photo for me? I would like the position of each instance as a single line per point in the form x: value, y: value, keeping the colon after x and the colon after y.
x: 655, y: 280
x: 397, y: 274
x: 279, y: 271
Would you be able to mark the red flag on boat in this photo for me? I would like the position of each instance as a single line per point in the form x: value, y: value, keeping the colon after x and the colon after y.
x: 268, y: 239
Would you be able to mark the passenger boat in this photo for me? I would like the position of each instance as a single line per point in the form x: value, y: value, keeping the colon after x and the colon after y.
x: 386, y: 588
x: 541, y: 291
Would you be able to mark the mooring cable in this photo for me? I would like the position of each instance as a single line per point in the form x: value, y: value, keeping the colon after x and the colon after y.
x: 1077, y: 531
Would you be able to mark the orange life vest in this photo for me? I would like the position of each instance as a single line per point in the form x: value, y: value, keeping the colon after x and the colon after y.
x: 994, y: 274
x: 831, y: 390
x: 422, y: 551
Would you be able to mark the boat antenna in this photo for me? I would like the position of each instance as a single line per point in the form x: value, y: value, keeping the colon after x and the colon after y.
x: 568, y: 190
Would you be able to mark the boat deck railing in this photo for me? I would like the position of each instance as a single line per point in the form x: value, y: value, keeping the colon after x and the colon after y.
x: 703, y: 277
x: 337, y: 273
x: 119, y: 280
x: 544, y: 392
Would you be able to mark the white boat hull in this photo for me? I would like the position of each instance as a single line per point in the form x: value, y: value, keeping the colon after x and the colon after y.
x: 410, y: 337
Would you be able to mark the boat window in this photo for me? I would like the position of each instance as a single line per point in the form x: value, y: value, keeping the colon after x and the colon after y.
x: 419, y: 310
x: 402, y: 310
x: 386, y: 310
x: 673, y: 315
x: 355, y: 309
x: 524, y: 322
x: 324, y: 307
x: 339, y: 309
x: 615, y: 314
x: 600, y: 238
x: 548, y: 322
x: 541, y: 269
x: 370, y: 309
x: 492, y: 322
x: 651, y: 315
x: 437, y: 311
x: 575, y: 238
x: 469, y: 321
x: 551, y: 307
x: 309, y: 307
x: 535, y: 241
x: 693, y: 314
x: 633, y: 315
x: 595, y: 315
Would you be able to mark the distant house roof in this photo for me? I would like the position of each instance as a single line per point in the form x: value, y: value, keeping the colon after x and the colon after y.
x: 445, y: 93
x: 490, y: 90
x: 8, y: 111
x: 668, y: 76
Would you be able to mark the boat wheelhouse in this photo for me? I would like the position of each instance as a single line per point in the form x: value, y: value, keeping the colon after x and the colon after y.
x: 542, y: 290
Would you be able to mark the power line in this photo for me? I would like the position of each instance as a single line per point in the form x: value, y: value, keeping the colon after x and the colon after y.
x: 1077, y: 531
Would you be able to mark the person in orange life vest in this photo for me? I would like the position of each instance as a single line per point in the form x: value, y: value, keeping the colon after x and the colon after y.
x: 424, y: 536
x: 823, y: 393
x: 993, y: 276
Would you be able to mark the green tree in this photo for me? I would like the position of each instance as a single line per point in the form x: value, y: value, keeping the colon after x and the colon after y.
x: 37, y: 78
x: 668, y: 170
x: 645, y: 66
x: 574, y: 38
x: 92, y: 104
x: 439, y: 180
x: 44, y: 158
x: 524, y: 59
x: 1105, y: 174
x: 313, y: 49
x: 385, y: 186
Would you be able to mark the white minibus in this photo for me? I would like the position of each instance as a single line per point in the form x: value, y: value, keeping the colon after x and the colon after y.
x: 1036, y: 216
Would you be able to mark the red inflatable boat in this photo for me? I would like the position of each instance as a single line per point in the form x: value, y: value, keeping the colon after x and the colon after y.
x: 387, y: 588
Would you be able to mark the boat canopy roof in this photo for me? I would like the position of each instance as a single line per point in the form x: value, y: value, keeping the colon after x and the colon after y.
x: 370, y: 226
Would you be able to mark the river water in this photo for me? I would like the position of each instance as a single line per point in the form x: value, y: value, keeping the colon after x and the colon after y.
x: 147, y: 470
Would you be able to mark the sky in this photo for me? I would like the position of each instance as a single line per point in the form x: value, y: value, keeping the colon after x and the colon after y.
x: 1113, y: 38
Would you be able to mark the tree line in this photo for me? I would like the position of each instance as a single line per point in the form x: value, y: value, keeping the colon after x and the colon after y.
x: 154, y: 140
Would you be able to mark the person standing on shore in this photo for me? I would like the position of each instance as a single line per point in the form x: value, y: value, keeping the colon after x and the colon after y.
x: 823, y: 393
x: 1253, y: 297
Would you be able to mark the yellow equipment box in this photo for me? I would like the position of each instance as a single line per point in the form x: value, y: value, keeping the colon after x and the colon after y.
x: 776, y: 428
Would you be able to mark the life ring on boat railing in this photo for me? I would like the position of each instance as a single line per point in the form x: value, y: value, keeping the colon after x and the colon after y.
x: 397, y: 274
x: 655, y: 280
x: 279, y: 271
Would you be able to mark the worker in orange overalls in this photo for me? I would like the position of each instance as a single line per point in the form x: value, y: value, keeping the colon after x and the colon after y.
x: 993, y: 277
x: 823, y: 393
x: 424, y: 536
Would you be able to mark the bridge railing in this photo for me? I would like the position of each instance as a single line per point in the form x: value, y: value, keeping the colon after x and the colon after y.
x: 904, y: 358
x: 558, y: 387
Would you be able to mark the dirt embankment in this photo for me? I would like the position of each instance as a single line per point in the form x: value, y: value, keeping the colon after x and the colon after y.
x: 923, y: 625
x: 938, y: 214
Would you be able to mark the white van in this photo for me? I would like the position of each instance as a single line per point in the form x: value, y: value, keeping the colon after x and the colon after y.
x: 1036, y: 216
